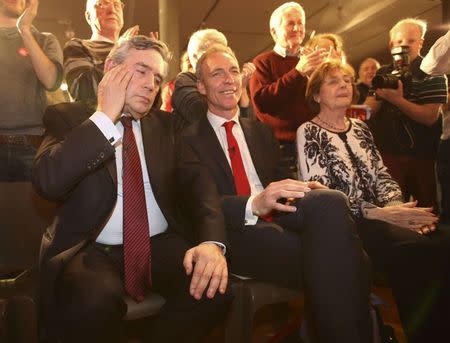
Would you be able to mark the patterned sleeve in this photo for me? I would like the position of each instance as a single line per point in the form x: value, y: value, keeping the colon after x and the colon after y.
x: 82, y: 73
x: 387, y: 190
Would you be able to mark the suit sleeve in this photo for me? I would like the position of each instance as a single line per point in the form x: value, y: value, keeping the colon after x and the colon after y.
x: 189, y: 105
x: 67, y: 155
x: 199, y: 196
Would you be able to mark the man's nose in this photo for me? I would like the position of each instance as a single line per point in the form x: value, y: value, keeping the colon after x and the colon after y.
x: 150, y: 82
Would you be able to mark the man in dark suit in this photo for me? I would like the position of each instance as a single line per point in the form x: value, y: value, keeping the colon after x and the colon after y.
x: 118, y: 185
x: 295, y: 234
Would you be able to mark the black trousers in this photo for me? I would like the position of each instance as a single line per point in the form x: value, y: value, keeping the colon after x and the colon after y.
x: 443, y: 172
x: 417, y: 267
x: 319, y: 252
x: 90, y: 290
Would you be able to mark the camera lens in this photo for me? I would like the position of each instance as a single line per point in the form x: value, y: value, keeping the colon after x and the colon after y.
x: 385, y: 81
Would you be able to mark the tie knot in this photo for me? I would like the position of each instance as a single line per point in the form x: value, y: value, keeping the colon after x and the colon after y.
x: 229, y: 125
x: 126, y: 121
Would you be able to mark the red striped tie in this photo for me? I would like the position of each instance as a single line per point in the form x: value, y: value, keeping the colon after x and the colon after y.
x: 239, y: 175
x: 136, y: 233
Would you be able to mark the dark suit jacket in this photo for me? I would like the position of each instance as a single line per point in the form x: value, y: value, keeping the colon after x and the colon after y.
x: 75, y: 166
x: 265, y: 153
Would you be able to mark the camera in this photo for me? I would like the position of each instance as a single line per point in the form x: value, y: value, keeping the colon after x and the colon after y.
x: 400, y: 57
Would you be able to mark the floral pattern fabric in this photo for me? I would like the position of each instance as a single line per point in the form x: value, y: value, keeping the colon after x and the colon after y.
x: 347, y: 161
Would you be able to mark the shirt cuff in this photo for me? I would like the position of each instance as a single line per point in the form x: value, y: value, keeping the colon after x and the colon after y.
x: 106, y: 126
x: 250, y: 218
x: 220, y: 245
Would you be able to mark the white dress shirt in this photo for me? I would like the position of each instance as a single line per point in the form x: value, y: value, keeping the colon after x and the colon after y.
x: 437, y: 61
x: 283, y: 51
x: 112, y: 233
x: 253, y: 178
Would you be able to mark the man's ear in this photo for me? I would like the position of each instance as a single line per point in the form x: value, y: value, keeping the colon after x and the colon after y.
x: 273, y: 32
x: 201, y: 87
x: 87, y: 15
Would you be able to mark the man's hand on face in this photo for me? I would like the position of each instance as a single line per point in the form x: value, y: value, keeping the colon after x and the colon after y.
x: 288, y: 189
x: 25, y: 21
x: 112, y: 89
x: 207, y: 265
x: 391, y: 95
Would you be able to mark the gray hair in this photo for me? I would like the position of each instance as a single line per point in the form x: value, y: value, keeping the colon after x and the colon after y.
x: 121, y: 49
x: 218, y: 48
x: 275, y: 18
x: 201, y: 40
x: 421, y: 25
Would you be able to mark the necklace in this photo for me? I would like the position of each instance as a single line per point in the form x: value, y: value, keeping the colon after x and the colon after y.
x: 331, y: 126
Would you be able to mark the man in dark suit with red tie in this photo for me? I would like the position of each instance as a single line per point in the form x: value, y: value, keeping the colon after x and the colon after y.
x: 291, y: 233
x: 120, y: 180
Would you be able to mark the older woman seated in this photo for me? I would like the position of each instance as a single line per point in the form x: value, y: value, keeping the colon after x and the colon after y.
x: 402, y: 240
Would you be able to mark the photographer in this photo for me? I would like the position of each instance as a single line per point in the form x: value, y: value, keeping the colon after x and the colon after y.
x: 406, y: 107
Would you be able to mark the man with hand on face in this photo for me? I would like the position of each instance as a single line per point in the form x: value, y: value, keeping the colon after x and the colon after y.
x: 120, y: 180
x: 291, y: 233
x: 404, y: 119
x: 278, y: 85
x: 31, y: 63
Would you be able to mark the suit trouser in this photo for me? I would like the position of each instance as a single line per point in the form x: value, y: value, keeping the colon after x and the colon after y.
x: 90, y: 290
x: 443, y: 171
x: 417, y: 267
x: 319, y: 252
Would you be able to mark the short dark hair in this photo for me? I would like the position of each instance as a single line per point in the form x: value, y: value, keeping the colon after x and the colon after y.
x: 212, y: 50
x: 120, y: 51
x: 319, y: 75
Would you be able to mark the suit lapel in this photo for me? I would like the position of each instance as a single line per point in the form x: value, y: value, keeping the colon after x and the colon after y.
x: 152, y: 141
x: 208, y: 139
x: 255, y: 148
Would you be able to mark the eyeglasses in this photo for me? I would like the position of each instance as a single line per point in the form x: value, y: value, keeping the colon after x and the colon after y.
x: 104, y: 4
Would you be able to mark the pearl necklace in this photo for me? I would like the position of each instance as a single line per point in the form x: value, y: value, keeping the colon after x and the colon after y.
x: 331, y: 126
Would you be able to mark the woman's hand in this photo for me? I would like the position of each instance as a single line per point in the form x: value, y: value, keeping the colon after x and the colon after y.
x: 408, y: 216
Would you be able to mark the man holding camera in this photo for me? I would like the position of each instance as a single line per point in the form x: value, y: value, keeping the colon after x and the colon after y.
x: 405, y: 104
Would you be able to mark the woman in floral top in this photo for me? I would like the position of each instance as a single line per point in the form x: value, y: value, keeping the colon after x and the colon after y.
x: 402, y: 240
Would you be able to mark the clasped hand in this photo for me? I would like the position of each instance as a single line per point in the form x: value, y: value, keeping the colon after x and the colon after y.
x: 407, y: 215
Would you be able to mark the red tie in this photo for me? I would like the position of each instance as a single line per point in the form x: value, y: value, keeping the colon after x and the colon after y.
x: 136, y: 234
x: 239, y: 175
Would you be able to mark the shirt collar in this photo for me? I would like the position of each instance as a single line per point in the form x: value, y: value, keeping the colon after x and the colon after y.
x: 98, y: 37
x: 217, y: 121
x: 283, y: 51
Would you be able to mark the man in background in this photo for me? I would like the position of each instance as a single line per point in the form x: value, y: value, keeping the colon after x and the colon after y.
x: 277, y: 87
x: 404, y: 120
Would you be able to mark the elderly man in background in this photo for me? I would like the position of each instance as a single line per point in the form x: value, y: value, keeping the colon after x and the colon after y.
x: 188, y: 104
x: 277, y: 88
x: 404, y: 120
x: 31, y: 63
x: 84, y: 59
x: 367, y: 70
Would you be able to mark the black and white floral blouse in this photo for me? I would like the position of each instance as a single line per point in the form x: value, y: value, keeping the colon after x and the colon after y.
x: 347, y: 161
